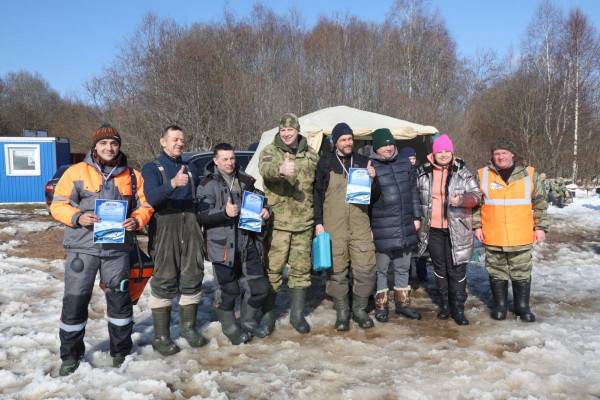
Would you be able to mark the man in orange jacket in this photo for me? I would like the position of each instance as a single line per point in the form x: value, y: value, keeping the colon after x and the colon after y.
x: 103, y: 174
x: 511, y: 219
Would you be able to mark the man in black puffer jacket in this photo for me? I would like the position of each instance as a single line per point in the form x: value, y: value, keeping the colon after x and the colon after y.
x: 395, y: 219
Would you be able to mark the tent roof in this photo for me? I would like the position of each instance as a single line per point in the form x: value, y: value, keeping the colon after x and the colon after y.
x: 319, y: 123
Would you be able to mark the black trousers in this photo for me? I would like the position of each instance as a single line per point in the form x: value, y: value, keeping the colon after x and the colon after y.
x: 248, y: 273
x: 451, y: 279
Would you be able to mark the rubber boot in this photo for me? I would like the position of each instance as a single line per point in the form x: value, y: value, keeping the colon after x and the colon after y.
x: 359, y: 312
x: 381, y: 306
x: 444, y: 311
x: 342, y: 312
x: 162, y: 342
x: 68, y: 366
x: 458, y: 298
x: 298, y: 296
x: 231, y: 327
x: 402, y: 299
x: 117, y: 361
x: 521, y: 291
x: 500, y: 294
x: 267, y: 322
x: 249, y: 321
x: 187, y: 325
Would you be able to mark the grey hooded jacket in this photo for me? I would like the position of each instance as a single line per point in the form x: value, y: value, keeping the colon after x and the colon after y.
x: 460, y: 182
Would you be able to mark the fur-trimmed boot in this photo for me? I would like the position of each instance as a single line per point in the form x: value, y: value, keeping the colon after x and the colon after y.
x: 402, y: 300
x: 381, y: 306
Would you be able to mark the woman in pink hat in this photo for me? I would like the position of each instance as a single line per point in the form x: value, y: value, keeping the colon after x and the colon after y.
x: 447, y: 192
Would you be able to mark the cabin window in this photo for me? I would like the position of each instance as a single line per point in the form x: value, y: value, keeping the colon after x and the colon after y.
x: 22, y: 159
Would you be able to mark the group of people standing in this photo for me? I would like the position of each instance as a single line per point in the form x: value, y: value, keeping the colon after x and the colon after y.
x: 435, y: 208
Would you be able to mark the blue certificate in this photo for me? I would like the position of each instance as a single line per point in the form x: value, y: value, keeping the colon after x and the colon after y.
x: 112, y: 214
x: 359, y: 186
x: 252, y: 205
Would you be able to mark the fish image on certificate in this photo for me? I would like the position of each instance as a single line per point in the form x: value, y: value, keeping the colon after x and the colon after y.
x: 112, y: 214
x: 359, y: 186
x: 252, y: 205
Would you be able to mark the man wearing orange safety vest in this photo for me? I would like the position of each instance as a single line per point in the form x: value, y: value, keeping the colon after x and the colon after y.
x: 511, y: 219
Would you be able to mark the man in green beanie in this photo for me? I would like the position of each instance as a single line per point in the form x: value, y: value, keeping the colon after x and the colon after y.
x: 288, y: 168
x: 395, y: 219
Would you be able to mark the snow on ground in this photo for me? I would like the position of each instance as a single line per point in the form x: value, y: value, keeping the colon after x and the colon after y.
x: 557, y: 357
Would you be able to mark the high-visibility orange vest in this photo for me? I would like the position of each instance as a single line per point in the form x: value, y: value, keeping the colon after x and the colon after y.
x: 506, y: 212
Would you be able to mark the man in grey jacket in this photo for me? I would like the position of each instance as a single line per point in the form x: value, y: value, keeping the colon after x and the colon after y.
x: 236, y: 253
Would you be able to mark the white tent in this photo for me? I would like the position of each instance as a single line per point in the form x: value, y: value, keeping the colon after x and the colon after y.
x: 319, y: 123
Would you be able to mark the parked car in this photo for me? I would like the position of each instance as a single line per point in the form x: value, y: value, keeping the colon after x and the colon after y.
x: 51, y: 184
x: 200, y: 160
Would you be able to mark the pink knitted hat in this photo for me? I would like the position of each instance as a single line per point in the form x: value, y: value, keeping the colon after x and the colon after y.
x: 443, y: 142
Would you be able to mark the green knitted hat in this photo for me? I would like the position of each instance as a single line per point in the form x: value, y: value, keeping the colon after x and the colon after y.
x: 382, y: 137
x: 504, y: 144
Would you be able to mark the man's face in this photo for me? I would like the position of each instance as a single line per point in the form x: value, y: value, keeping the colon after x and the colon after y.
x: 386, y: 151
x: 502, y: 158
x: 225, y: 161
x: 443, y: 158
x: 345, y: 145
x: 173, y: 143
x: 288, y: 136
x: 412, y: 159
x: 107, y: 149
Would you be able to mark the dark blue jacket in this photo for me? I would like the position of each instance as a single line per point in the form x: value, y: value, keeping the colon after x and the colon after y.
x: 396, y: 207
x: 160, y: 194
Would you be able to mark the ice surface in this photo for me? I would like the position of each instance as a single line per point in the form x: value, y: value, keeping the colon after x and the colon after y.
x: 557, y: 357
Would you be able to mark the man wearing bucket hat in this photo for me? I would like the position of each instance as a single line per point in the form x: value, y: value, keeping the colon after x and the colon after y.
x: 350, y: 230
x: 103, y: 174
x: 511, y: 219
x: 395, y: 219
x: 288, y: 169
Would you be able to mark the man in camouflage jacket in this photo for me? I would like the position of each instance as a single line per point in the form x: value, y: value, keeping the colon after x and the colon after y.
x: 511, y: 219
x: 288, y: 168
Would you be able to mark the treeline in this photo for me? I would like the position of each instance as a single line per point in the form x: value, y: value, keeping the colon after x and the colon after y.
x: 230, y: 80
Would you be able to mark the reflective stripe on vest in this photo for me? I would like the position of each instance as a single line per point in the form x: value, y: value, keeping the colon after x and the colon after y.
x: 506, y: 212
x: 525, y: 200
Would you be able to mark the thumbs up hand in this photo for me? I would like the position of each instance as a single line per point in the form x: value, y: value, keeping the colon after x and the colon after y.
x: 181, y: 179
x: 371, y: 170
x: 287, y: 167
x: 232, y: 210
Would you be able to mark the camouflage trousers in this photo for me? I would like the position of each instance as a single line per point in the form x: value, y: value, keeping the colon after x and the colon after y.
x: 292, y: 248
x: 509, y: 265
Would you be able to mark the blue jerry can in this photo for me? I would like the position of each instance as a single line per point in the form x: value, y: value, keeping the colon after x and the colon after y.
x: 321, y: 252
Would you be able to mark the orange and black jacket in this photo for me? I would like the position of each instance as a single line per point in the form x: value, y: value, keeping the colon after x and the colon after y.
x: 76, y: 193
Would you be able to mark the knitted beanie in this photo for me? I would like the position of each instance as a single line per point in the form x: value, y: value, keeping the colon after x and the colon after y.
x: 340, y: 130
x: 105, y: 132
x: 382, y: 137
x: 443, y: 143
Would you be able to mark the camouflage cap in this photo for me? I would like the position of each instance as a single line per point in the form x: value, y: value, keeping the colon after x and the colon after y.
x: 289, y: 120
x: 504, y: 144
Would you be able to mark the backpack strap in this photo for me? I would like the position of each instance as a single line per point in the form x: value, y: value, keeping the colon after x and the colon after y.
x: 133, y: 190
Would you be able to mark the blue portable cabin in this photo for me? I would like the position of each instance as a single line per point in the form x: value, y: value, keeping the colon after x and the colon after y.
x: 27, y: 163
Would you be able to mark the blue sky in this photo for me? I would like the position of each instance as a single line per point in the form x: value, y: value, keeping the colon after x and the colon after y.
x: 70, y: 41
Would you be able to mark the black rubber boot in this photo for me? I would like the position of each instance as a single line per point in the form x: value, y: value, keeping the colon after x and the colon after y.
x: 458, y: 298
x: 249, y: 321
x: 500, y: 294
x: 267, y: 322
x: 381, y: 306
x: 444, y: 311
x: 298, y: 297
x: 162, y: 342
x: 359, y: 312
x: 402, y: 300
x: 187, y: 325
x: 231, y: 327
x: 68, y: 366
x: 117, y: 361
x: 342, y: 313
x: 521, y: 291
